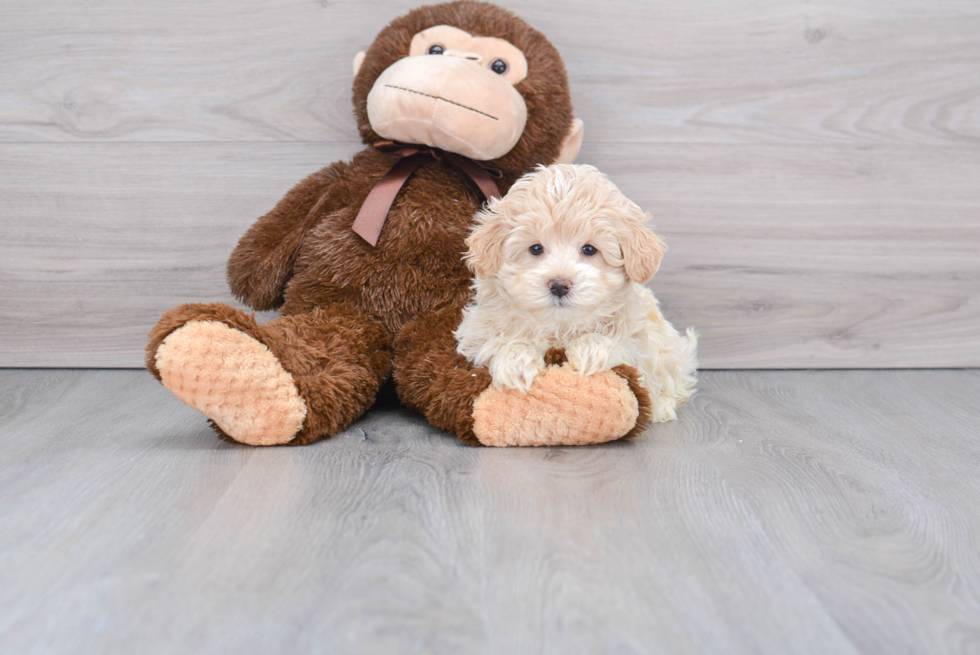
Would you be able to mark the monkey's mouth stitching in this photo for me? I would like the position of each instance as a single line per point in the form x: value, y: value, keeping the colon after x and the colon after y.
x: 427, y: 95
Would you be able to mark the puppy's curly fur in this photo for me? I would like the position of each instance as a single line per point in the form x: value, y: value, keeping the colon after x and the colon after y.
x: 561, y: 261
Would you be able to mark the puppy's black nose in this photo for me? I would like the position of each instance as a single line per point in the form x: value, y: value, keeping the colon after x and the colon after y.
x: 559, y: 288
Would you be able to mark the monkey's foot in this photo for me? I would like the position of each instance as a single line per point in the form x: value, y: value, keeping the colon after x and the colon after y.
x: 563, y: 408
x: 232, y: 379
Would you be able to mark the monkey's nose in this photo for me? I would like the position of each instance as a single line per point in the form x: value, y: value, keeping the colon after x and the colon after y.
x: 559, y: 288
x: 463, y: 54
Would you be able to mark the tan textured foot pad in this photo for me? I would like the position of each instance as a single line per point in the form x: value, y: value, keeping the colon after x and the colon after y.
x: 562, y: 408
x: 234, y: 380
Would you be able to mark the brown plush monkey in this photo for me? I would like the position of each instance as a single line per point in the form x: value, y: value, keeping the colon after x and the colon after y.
x: 467, y: 78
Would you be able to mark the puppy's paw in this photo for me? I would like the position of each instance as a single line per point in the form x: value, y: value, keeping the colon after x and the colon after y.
x: 515, y: 367
x: 591, y: 353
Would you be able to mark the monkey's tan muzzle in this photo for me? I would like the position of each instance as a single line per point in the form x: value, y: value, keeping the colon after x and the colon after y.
x: 447, y: 103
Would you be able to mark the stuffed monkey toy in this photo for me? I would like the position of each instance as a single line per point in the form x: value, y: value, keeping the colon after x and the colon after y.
x: 364, y: 258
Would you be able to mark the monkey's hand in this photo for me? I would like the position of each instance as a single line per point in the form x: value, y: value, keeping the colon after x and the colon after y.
x: 263, y: 260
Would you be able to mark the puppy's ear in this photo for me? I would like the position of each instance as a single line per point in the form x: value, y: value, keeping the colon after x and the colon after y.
x: 642, y: 251
x: 485, y: 244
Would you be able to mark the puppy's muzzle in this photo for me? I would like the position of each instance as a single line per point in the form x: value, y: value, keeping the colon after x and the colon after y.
x: 560, y: 288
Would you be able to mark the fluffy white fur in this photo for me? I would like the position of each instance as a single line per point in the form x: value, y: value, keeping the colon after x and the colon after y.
x: 608, y: 316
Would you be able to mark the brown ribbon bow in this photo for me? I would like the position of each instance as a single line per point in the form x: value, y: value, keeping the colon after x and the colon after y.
x: 372, y: 214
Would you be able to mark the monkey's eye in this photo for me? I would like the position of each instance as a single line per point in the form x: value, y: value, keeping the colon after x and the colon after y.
x: 536, y: 249
x: 499, y: 66
x: 588, y: 250
x: 436, y: 50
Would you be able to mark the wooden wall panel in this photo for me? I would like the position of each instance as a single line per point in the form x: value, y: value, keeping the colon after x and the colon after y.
x: 864, y: 72
x: 839, y: 258
x: 814, y: 166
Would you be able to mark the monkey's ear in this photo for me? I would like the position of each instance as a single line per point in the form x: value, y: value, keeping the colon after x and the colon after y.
x: 358, y: 60
x: 572, y: 143
x: 642, y: 252
x: 485, y: 244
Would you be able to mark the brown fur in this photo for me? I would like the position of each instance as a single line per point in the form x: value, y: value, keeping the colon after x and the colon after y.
x: 337, y: 356
x: 433, y: 378
x: 555, y: 357
x: 632, y: 377
x: 347, y: 306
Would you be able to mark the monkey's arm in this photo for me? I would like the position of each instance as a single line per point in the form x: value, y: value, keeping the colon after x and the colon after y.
x: 263, y: 260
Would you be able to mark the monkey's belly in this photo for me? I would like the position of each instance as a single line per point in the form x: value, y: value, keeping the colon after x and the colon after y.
x: 392, y: 292
x: 417, y: 264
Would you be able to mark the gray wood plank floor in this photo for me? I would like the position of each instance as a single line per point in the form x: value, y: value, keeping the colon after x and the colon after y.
x: 785, y: 512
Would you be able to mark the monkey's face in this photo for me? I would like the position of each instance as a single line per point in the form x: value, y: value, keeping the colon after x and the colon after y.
x: 471, y: 78
x: 453, y: 91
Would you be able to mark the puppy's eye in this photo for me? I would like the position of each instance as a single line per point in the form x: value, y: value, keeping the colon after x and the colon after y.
x: 588, y: 250
x: 536, y: 249
x: 499, y: 66
x: 436, y: 50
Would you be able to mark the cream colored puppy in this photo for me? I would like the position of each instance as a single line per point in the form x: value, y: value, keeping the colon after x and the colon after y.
x: 561, y: 261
